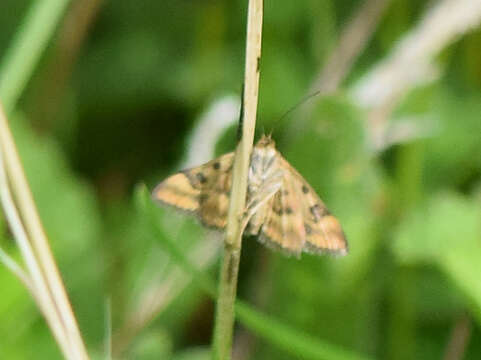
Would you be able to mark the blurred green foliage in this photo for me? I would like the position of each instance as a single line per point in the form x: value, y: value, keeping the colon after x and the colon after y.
x: 118, y: 112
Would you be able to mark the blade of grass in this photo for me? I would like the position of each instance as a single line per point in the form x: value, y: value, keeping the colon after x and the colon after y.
x: 27, y: 47
x: 40, y: 260
x: 292, y: 341
x: 15, y: 269
x: 15, y: 70
x: 36, y: 284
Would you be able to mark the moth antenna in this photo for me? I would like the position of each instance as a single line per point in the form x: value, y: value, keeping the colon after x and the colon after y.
x: 301, y: 102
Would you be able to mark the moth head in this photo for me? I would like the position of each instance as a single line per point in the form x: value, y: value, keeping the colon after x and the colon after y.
x: 266, y: 141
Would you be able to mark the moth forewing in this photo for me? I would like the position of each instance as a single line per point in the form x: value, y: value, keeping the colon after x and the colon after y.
x: 203, y: 190
x: 323, y: 231
x: 177, y: 191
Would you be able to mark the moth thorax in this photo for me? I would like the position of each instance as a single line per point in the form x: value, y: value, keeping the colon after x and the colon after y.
x: 263, y: 164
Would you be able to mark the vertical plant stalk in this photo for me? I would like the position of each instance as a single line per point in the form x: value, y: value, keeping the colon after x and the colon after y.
x: 33, y: 281
x: 224, y: 319
x: 47, y: 271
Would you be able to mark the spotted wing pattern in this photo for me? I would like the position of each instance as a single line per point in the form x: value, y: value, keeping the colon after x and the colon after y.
x: 287, y: 214
x: 323, y: 232
x: 203, y: 190
x: 283, y: 227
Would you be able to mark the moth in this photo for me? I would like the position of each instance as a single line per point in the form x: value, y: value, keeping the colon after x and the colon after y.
x: 282, y: 209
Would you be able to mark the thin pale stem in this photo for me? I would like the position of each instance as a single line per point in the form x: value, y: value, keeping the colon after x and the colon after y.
x: 15, y: 269
x: 35, y: 237
x: 224, y: 321
x: 37, y: 284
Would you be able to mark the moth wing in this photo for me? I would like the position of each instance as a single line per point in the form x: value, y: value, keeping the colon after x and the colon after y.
x: 283, y: 227
x: 203, y: 190
x: 323, y: 232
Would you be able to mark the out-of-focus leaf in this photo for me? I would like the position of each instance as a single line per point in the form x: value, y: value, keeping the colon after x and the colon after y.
x: 323, y: 23
x: 302, y: 346
x: 472, y: 59
x: 67, y: 206
x: 447, y: 232
x: 454, y: 147
x: 283, y: 82
x: 395, y: 22
x: 199, y: 353
x: 152, y: 346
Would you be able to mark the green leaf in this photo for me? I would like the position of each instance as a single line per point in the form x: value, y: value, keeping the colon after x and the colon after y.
x: 302, y: 346
x: 446, y: 232
x: 200, y: 353
x: 454, y: 147
x: 153, y: 345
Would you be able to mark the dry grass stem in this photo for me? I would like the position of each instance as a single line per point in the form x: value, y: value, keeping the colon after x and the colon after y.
x: 34, y: 281
x: 224, y: 321
x: 47, y: 287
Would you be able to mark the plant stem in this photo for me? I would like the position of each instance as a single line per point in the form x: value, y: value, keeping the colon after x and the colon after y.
x: 224, y: 320
x: 44, y: 266
x: 35, y: 281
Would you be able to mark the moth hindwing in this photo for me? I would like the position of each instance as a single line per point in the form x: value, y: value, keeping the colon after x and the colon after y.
x: 282, y: 209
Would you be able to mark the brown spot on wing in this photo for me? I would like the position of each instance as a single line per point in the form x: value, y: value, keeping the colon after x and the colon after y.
x: 213, y: 211
x: 177, y: 191
x: 284, y: 229
x: 327, y: 237
x: 323, y: 232
x: 203, y: 190
x: 294, y: 219
x: 201, y: 177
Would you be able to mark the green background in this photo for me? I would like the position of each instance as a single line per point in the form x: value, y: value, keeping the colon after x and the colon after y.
x: 97, y: 114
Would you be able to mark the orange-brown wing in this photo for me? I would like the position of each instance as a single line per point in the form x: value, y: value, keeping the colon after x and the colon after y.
x: 323, y: 232
x: 203, y: 190
x: 283, y: 227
